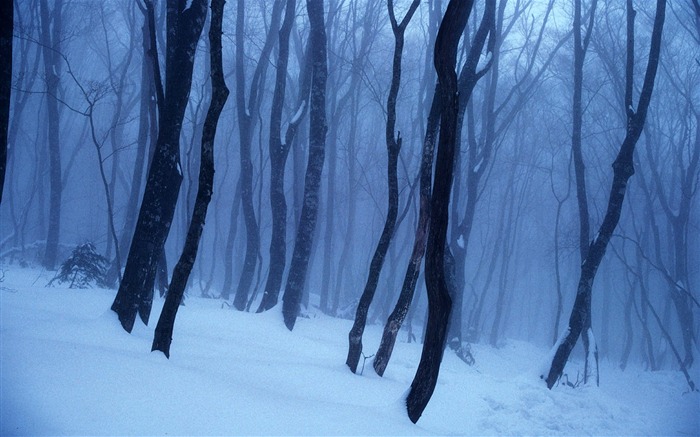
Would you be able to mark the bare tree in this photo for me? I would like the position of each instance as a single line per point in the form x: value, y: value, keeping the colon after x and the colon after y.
x: 317, y: 141
x: 393, y: 146
x: 439, y: 302
x: 623, y: 169
x: 247, y: 112
x: 219, y: 95
x: 278, y: 158
x: 580, y: 49
x: 135, y: 295
x: 50, y: 37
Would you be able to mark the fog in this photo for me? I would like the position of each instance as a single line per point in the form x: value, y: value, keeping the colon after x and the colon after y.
x: 518, y: 259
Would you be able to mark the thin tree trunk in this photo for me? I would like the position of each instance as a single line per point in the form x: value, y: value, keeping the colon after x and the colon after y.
x: 6, y: 23
x: 317, y: 141
x: 219, y: 93
x: 51, y: 28
x: 397, y: 316
x: 393, y: 146
x: 278, y: 159
x: 247, y: 114
x: 623, y: 168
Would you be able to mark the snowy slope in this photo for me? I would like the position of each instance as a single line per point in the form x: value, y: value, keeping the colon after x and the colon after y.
x: 66, y: 367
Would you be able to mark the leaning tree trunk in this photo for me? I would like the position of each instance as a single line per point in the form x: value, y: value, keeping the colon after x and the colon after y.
x: 317, y: 142
x: 439, y: 302
x: 6, y: 21
x: 393, y: 146
x: 219, y: 94
x: 403, y: 303
x: 398, y: 315
x: 164, y: 177
x: 623, y: 169
x: 467, y: 82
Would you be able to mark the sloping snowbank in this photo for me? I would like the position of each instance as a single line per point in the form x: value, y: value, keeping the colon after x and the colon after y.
x: 67, y: 367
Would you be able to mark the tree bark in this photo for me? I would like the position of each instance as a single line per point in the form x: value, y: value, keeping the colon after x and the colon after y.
x: 393, y: 146
x: 51, y: 28
x: 317, y: 140
x: 439, y: 302
x: 164, y: 177
x: 279, y: 152
x: 219, y: 93
x: 398, y: 315
x: 478, y: 163
x: 6, y: 23
x: 247, y: 113
x: 623, y: 169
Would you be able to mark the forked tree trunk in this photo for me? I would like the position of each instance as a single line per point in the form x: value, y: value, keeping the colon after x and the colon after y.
x: 400, y: 311
x: 317, y: 141
x: 468, y: 80
x: 478, y: 162
x: 278, y: 160
x: 164, y: 177
x: 623, y: 169
x: 183, y: 268
x: 393, y: 146
x: 247, y: 114
x: 439, y: 302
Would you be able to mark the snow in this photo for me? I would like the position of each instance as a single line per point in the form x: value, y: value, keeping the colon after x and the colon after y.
x: 298, y: 114
x: 478, y: 165
x: 484, y: 61
x: 67, y: 367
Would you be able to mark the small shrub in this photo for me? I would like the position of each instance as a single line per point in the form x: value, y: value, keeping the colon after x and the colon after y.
x: 83, y: 268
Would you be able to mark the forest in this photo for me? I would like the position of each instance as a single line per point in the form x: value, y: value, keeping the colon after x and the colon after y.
x: 458, y: 174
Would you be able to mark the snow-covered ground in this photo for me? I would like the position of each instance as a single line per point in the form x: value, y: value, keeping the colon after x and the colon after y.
x: 67, y: 367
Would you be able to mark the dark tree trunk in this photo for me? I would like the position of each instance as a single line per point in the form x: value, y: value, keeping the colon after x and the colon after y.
x: 51, y: 29
x: 623, y: 169
x: 164, y: 177
x: 398, y: 315
x: 278, y: 160
x: 468, y: 79
x: 6, y: 23
x: 439, y: 302
x: 580, y: 49
x: 478, y: 162
x: 219, y: 94
x: 317, y: 141
x: 393, y: 146
x: 247, y: 113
